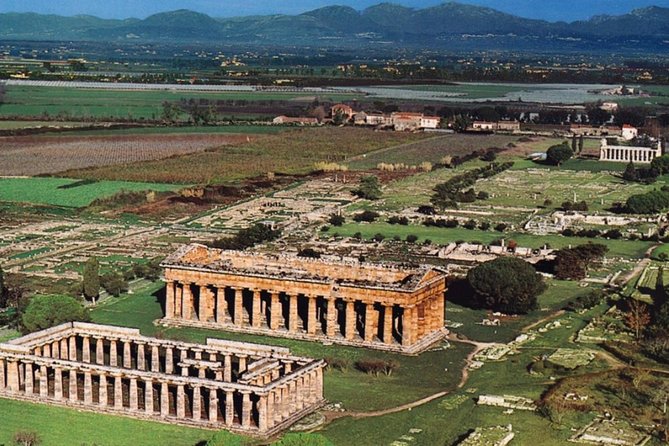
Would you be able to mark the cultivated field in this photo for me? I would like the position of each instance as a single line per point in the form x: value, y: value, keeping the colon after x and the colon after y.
x: 55, y: 191
x: 43, y: 155
x: 291, y: 152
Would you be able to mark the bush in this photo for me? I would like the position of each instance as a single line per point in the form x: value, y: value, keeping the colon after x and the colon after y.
x: 411, y: 238
x: 26, y: 438
x: 341, y: 364
x: 613, y: 234
x: 309, y: 253
x: 452, y: 223
x: 586, y: 301
x: 357, y: 236
x: 377, y: 366
x: 248, y: 237
x: 369, y: 189
x: 337, y: 220
x: 395, y: 220
x: 471, y: 224
x: 506, y: 284
x: 426, y: 210
x: 378, y: 237
x: 46, y: 311
x: 500, y: 227
x: 484, y: 226
x: 366, y: 216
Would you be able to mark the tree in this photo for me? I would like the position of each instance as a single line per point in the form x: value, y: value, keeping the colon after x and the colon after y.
x: 630, y: 173
x: 660, y: 164
x: 580, y: 144
x: 170, y: 113
x: 46, y: 311
x: 558, y: 154
x: 598, y: 117
x: 114, y: 283
x: 337, y: 220
x: 573, y: 263
x: 248, y: 237
x: 92, y: 279
x: 506, y: 284
x: 637, y: 317
x: 369, y: 189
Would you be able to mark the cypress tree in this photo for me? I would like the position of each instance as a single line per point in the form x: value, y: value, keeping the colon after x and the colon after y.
x: 92, y: 279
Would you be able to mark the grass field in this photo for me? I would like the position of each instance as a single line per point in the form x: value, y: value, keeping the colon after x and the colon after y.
x: 46, y: 190
x: 57, y: 427
x: 291, y: 152
x: 432, y: 150
x: 444, y: 236
x: 11, y: 125
x: 79, y: 102
x: 187, y: 130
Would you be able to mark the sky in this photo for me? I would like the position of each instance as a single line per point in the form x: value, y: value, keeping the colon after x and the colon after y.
x: 552, y: 10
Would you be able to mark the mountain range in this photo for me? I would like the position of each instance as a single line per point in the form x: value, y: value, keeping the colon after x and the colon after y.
x: 341, y: 25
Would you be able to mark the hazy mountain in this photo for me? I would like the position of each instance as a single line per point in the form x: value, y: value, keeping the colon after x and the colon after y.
x: 438, y: 25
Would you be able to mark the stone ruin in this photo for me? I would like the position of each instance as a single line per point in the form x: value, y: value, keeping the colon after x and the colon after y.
x: 382, y: 306
x: 244, y: 388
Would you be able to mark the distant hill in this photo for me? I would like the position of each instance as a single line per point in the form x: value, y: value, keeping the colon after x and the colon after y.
x: 438, y: 26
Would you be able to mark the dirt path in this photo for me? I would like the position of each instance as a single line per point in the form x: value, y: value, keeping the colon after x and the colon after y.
x: 478, y: 346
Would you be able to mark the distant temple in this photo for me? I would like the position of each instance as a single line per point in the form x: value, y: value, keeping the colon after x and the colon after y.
x: 384, y: 307
x: 625, y: 154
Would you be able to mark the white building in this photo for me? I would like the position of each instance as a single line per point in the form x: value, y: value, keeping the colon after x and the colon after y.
x: 430, y: 122
x: 625, y: 154
x: 629, y: 132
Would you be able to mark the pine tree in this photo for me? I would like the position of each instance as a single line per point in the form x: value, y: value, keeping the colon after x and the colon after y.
x: 630, y: 173
x: 92, y: 279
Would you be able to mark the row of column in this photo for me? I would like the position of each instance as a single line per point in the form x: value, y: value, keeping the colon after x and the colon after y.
x: 155, y: 398
x: 138, y: 355
x: 625, y: 154
x: 313, y: 315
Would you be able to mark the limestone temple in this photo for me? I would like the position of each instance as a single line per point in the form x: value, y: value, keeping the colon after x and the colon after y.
x: 384, y: 307
x: 245, y: 388
x: 625, y: 154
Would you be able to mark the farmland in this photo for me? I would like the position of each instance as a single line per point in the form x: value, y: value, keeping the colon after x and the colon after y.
x: 50, y: 190
x: 26, y: 155
x: 291, y: 152
x: 114, y: 104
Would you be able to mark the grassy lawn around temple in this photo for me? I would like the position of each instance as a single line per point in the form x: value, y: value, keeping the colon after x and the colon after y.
x: 415, y: 378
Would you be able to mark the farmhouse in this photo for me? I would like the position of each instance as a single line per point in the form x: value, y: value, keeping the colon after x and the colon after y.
x: 501, y: 126
x: 299, y: 120
x: 406, y: 121
x: 342, y: 109
x: 625, y: 154
x: 387, y: 307
x: 629, y: 132
x: 245, y: 388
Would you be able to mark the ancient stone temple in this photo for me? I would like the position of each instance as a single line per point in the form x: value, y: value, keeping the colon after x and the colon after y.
x: 376, y: 306
x: 245, y: 388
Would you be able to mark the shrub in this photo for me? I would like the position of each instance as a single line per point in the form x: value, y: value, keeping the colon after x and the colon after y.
x: 44, y: 311
x: 309, y: 253
x: 613, y: 234
x: 411, y: 238
x: 471, y: 224
x: 426, y: 210
x: 248, y: 237
x: 378, y: 237
x: 452, y: 223
x: 482, y: 195
x: 26, y: 438
x: 341, y: 364
x: 500, y: 227
x: 337, y: 220
x: 357, y: 236
x: 366, y: 216
x: 369, y: 189
x: 395, y: 220
x: 484, y: 226
x: 377, y: 366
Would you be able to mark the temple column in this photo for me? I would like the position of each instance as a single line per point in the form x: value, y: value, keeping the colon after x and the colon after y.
x: 86, y: 349
x: 242, y: 363
x: 103, y: 398
x: 181, y: 401
x: 141, y: 356
x: 287, y: 366
x: 3, y: 378
x: 72, y: 348
x: 43, y: 382
x: 238, y: 308
x: 292, y: 313
x: 311, y: 315
x: 319, y: 384
x: 349, y: 324
x: 57, y: 383
x: 155, y: 358
x: 99, y: 351
x: 202, y: 303
x: 164, y: 400
x: 169, y: 360
x: 13, y: 376
x: 371, y: 321
x: 197, y: 403
x: 187, y: 301
x: 29, y: 378
x: 64, y: 350
x: 246, y: 409
x: 331, y: 326
x: 88, y: 388
x: 213, y: 405
x: 408, y: 326
x: 388, y: 324
x: 118, y: 392
x: 55, y: 349
x: 169, y: 300
x: 257, y: 313
x: 220, y: 305
x: 178, y: 300
x: 275, y: 309
x: 133, y: 397
x: 74, y: 388
x: 127, y: 356
x: 262, y: 413
x: 113, y: 353
x: 229, y: 408
x: 148, y: 397
x: 227, y: 368
x: 269, y: 414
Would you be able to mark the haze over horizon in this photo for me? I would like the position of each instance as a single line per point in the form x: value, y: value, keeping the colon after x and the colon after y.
x: 551, y: 10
